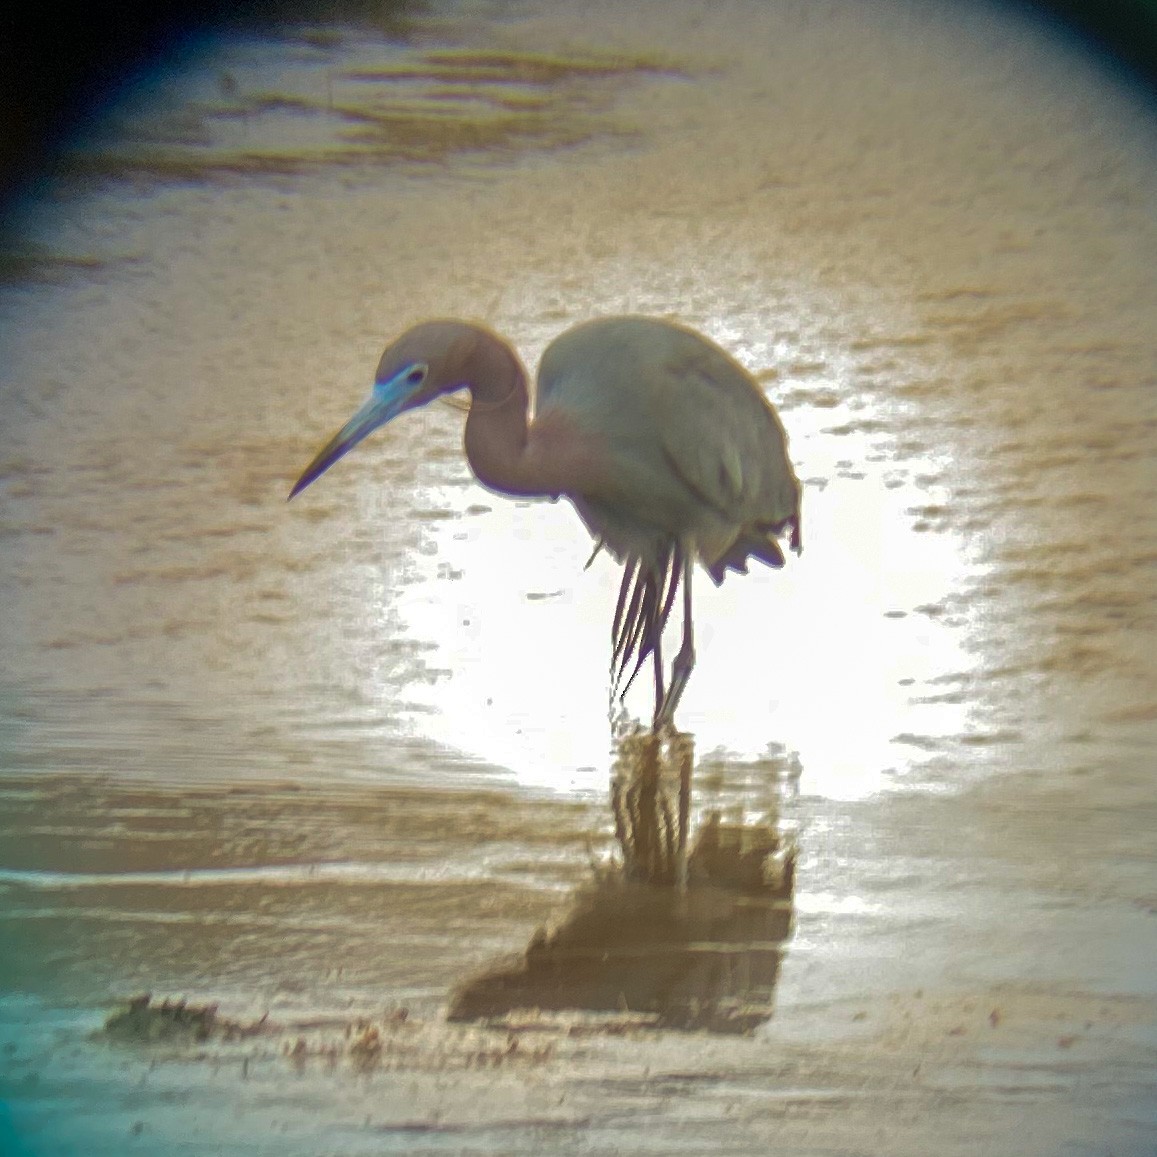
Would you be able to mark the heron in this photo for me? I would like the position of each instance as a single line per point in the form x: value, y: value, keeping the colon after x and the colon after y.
x: 666, y: 446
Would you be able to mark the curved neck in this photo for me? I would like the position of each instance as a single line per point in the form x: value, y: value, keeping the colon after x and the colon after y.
x: 497, y: 427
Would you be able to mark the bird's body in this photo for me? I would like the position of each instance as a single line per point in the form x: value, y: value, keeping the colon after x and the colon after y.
x: 665, y: 445
x: 694, y: 454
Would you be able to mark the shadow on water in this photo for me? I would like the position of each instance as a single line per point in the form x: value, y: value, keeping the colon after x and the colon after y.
x: 669, y: 938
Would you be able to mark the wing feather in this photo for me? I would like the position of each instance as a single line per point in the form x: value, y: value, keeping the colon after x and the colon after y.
x: 694, y: 451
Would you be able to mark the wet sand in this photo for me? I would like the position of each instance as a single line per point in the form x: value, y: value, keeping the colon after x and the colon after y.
x: 321, y: 765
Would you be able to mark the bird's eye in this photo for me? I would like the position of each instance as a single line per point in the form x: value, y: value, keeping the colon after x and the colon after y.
x: 416, y: 376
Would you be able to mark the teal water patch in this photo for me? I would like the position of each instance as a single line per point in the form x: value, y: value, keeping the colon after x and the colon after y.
x: 11, y: 1143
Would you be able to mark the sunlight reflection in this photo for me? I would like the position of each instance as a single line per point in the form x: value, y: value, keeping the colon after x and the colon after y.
x: 828, y: 657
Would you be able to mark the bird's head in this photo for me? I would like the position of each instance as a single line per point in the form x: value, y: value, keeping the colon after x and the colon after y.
x: 431, y: 359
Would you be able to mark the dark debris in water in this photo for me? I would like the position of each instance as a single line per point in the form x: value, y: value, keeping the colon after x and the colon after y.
x: 391, y: 1040
x: 145, y: 1021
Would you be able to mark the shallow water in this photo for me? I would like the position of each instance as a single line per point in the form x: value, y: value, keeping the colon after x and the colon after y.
x: 341, y: 754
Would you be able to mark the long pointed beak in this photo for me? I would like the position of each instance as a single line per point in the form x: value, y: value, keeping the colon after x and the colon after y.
x: 387, y: 401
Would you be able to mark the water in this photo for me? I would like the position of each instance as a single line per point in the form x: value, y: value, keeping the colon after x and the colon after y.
x: 336, y: 756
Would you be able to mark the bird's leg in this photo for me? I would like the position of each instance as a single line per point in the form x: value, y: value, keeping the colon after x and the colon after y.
x: 636, y: 832
x: 683, y: 750
x: 657, y: 655
x: 618, y: 809
x: 684, y: 660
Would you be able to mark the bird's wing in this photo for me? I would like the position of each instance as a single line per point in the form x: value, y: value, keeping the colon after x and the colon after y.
x: 722, y: 439
x: 692, y: 447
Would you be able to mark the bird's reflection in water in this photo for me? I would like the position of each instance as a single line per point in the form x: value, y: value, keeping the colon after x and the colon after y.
x: 652, y: 833
x: 667, y: 936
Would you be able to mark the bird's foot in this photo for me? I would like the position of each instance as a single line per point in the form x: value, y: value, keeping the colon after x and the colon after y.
x: 680, y: 673
x: 665, y: 715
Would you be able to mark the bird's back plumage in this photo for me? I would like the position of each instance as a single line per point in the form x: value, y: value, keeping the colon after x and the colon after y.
x: 699, y: 455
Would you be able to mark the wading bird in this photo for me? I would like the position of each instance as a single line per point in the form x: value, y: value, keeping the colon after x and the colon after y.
x: 665, y: 445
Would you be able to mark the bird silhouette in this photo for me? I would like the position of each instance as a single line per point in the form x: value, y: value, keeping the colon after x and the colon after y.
x: 666, y: 446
